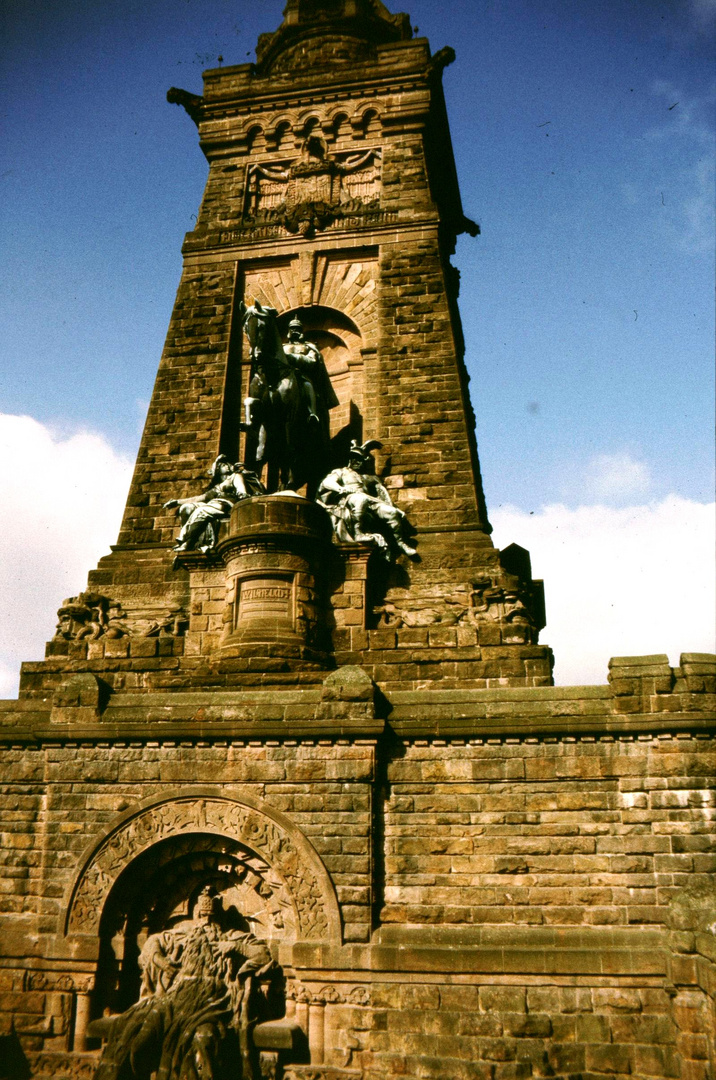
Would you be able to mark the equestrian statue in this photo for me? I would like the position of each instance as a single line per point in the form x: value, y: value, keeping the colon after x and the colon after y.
x: 286, y: 412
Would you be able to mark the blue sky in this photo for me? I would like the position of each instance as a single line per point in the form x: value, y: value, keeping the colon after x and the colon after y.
x: 583, y: 135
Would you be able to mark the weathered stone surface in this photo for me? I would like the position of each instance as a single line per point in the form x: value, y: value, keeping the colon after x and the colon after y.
x: 464, y: 871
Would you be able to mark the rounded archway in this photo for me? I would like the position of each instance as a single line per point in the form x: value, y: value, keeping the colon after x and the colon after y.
x: 253, y: 839
x: 158, y: 890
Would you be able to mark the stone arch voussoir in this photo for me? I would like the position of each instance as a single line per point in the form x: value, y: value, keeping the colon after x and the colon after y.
x: 250, y: 821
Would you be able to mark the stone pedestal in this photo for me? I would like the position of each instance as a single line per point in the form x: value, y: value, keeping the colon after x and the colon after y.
x: 276, y: 554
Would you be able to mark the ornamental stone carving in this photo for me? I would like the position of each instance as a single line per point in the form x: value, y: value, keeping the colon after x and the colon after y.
x: 60, y: 982
x: 272, y: 838
x: 500, y: 615
x: 204, y: 988
x: 329, y: 995
x: 90, y: 616
x: 67, y: 1065
x: 321, y: 1072
x: 311, y: 193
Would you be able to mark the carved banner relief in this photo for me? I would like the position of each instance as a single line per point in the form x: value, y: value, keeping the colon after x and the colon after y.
x: 290, y: 857
x: 350, y: 180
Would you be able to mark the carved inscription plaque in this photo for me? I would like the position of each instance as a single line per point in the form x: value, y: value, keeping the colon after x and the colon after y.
x: 265, y: 597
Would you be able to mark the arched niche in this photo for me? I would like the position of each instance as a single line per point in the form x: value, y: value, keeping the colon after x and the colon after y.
x: 256, y: 140
x: 158, y: 890
x: 340, y: 341
x: 150, y: 864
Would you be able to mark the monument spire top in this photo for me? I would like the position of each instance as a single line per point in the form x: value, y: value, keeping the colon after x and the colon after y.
x: 366, y: 19
x: 305, y: 11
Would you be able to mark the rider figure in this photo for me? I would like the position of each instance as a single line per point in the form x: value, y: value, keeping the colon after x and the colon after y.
x: 308, y: 365
x: 287, y: 410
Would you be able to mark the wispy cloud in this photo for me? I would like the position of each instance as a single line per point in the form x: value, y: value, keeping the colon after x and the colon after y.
x: 614, y: 478
x: 703, y: 15
x: 687, y: 115
x: 687, y: 199
x: 619, y: 478
x: 686, y: 22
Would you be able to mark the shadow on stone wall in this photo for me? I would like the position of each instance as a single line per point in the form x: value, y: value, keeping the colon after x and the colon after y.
x: 13, y: 1063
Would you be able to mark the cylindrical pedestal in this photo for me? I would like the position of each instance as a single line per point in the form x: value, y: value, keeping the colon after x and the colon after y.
x: 277, y: 555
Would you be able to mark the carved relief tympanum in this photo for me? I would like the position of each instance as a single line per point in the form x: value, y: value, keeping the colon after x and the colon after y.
x: 309, y: 194
x: 304, y: 885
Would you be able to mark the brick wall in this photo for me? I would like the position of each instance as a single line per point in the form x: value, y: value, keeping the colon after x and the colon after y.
x: 587, y: 831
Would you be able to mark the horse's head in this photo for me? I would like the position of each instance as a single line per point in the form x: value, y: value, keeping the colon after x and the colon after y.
x: 254, y: 322
x: 261, y: 329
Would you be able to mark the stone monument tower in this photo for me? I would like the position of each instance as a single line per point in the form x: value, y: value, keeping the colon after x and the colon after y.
x: 292, y: 793
x: 332, y: 199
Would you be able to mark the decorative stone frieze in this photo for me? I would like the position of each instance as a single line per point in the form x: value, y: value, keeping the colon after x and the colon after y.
x: 288, y: 854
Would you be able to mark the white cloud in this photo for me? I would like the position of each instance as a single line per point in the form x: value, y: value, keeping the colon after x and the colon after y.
x: 695, y: 229
x: 62, y: 499
x: 612, y: 478
x: 620, y: 582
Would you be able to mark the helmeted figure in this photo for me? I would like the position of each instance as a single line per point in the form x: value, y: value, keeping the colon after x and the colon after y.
x: 360, y: 507
x: 197, y: 1007
x: 316, y: 388
x: 201, y: 515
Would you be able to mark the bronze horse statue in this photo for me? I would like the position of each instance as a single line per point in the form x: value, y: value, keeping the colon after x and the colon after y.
x: 286, y: 410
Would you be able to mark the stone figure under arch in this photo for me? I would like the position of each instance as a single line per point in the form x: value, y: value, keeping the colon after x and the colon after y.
x: 206, y: 988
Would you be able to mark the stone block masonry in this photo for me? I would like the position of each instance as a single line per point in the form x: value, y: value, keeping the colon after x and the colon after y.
x: 513, y: 883
x: 461, y: 871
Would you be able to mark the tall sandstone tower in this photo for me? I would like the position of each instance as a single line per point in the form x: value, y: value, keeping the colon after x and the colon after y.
x: 283, y: 801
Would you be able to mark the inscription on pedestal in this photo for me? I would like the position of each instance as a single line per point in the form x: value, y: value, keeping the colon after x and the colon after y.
x: 265, y: 598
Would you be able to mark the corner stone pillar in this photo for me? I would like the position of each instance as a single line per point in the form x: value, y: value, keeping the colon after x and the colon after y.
x: 316, y: 1031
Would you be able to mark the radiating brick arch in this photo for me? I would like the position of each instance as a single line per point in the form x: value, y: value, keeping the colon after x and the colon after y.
x: 259, y: 828
x: 346, y: 284
x: 335, y: 295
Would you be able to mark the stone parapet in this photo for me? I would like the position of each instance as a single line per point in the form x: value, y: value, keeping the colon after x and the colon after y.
x: 311, y: 695
x: 649, y: 684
